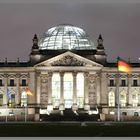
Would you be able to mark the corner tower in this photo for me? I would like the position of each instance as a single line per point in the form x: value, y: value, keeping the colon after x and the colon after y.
x: 100, y: 54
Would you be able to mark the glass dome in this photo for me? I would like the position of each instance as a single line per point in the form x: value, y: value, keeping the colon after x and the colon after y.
x: 66, y: 37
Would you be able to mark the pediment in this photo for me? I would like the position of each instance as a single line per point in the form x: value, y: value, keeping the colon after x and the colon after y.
x: 68, y: 59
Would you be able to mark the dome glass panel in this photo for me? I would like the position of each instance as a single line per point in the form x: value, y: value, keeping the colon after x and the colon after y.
x: 65, y: 37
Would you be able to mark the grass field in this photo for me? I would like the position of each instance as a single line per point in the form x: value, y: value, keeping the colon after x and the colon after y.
x: 69, y: 129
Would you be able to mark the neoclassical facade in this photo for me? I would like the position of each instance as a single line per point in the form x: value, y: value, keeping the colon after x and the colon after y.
x: 67, y: 70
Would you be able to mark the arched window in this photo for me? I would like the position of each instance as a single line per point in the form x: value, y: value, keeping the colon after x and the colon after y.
x: 80, y: 90
x: 111, y: 99
x: 135, y: 98
x: 123, y: 98
x: 23, y: 99
x: 56, y: 89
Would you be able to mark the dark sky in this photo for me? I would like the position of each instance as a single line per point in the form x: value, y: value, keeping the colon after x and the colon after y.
x: 119, y: 24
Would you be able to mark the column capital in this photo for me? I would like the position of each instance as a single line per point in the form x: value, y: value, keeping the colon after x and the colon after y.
x: 50, y: 74
x: 86, y: 74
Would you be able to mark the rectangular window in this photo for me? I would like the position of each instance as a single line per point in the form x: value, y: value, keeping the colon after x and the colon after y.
x: 123, y: 83
x: 135, y: 82
x: 12, y: 82
x: 111, y: 82
x: 1, y: 82
x: 136, y: 113
x: 24, y: 82
x: 1, y: 99
x: 12, y: 101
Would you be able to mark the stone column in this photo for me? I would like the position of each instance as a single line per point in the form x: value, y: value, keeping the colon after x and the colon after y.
x: 38, y: 84
x: 5, y: 98
x: 74, y: 107
x: 50, y: 106
x: 18, y: 94
x: 86, y: 91
x: 61, y: 107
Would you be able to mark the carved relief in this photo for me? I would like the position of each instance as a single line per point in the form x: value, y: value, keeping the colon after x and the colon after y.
x: 68, y: 61
x: 92, y: 89
x: 44, y: 90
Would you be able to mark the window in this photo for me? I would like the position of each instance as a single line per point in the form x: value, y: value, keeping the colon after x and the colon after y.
x: 135, y: 98
x: 123, y: 98
x: 11, y: 82
x: 80, y: 90
x: 1, y: 99
x: 12, y: 101
x: 135, y: 82
x: 56, y: 90
x: 23, y: 82
x: 111, y: 82
x: 123, y: 83
x: 124, y: 113
x: 23, y: 99
x: 1, y: 82
x: 111, y: 99
x: 136, y: 113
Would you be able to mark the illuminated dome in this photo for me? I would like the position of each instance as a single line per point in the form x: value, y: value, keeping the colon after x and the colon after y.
x: 65, y: 37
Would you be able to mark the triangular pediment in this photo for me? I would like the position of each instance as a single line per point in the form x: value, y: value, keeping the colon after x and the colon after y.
x: 68, y: 59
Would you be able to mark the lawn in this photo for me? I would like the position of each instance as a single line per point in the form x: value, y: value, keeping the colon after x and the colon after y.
x: 69, y: 130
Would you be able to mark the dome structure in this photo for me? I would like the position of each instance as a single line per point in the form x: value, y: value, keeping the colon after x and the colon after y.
x: 67, y: 37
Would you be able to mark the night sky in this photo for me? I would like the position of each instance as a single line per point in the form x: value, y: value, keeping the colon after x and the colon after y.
x: 119, y: 24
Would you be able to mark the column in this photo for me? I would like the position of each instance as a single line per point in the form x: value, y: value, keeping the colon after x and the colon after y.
x: 74, y: 107
x: 38, y: 88
x: 86, y: 91
x: 18, y: 94
x: 5, y: 98
x: 49, y: 107
x: 61, y: 107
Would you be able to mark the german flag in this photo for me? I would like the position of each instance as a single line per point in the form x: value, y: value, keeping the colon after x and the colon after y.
x: 124, y: 67
x: 29, y: 92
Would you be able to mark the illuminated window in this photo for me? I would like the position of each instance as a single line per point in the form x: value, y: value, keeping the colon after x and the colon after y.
x: 68, y: 90
x: 12, y: 101
x: 23, y: 99
x: 80, y: 90
x: 123, y: 98
x: 56, y: 90
x: 111, y: 99
x: 135, y: 99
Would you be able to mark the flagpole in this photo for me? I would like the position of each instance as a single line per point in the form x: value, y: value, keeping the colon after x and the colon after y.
x: 118, y: 94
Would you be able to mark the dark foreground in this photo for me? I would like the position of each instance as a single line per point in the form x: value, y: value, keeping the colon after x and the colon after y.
x: 69, y: 129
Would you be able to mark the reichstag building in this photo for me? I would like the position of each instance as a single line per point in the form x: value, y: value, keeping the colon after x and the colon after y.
x: 67, y: 74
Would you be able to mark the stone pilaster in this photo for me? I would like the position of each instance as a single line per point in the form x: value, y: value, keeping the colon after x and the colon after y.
x: 74, y: 107
x: 86, y: 92
x: 50, y: 106
x: 98, y: 89
x: 38, y: 86
x: 104, y: 94
x: 5, y: 98
x: 18, y: 94
x: 31, y: 85
x: 61, y: 107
